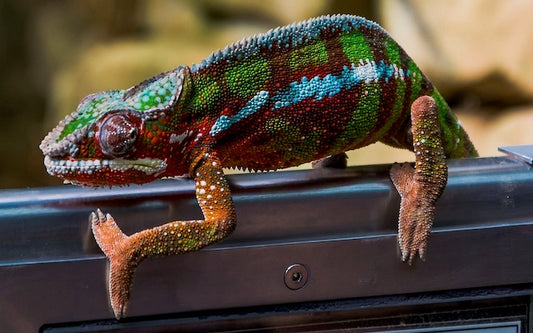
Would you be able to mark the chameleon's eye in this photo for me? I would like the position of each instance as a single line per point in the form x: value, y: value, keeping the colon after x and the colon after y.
x: 117, y: 136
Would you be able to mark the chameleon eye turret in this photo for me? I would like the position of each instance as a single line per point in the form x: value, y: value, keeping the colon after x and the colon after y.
x: 304, y: 92
x: 117, y: 135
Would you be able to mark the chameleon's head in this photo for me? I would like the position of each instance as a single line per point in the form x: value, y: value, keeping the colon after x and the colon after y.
x: 122, y: 136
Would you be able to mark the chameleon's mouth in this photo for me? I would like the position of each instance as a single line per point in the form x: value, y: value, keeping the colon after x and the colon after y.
x: 95, y: 172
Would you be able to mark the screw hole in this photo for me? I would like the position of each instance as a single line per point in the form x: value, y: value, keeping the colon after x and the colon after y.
x: 296, y: 276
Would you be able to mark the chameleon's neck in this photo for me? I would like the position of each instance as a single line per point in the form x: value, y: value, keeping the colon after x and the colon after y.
x: 456, y: 142
x: 205, y: 99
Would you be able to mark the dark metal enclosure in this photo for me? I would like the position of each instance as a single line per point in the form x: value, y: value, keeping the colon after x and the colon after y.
x: 313, y: 250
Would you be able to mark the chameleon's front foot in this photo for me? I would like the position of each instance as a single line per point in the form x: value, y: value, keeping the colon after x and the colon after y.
x: 122, y: 263
x: 420, y: 188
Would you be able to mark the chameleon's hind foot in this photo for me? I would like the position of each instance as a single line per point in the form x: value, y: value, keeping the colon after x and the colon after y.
x: 416, y: 213
x: 118, y: 248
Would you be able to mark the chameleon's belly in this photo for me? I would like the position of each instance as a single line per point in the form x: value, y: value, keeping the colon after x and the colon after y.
x: 279, y: 137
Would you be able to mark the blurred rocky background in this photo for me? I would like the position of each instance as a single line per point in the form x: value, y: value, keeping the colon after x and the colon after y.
x: 479, y: 53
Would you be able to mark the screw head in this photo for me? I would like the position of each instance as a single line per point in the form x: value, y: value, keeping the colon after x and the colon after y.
x: 296, y: 276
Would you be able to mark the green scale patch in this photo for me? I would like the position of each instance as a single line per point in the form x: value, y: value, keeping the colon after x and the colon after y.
x: 308, y: 55
x: 248, y: 76
x: 206, y: 93
x: 449, y: 125
x: 288, y: 139
x: 88, y: 111
x: 355, y: 47
x: 415, y: 77
x: 364, y: 118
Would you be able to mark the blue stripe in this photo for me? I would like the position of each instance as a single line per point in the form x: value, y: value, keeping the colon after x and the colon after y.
x: 331, y: 85
x: 224, y: 122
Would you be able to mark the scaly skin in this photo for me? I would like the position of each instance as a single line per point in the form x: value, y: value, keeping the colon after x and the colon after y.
x: 295, y: 94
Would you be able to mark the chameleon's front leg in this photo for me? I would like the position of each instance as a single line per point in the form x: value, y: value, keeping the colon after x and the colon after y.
x: 126, y: 252
x: 420, y: 188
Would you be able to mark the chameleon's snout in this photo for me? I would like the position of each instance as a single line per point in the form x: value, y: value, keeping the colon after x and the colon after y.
x: 55, y: 144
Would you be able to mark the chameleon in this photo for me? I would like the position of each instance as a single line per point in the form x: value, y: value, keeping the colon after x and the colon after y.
x: 309, y: 91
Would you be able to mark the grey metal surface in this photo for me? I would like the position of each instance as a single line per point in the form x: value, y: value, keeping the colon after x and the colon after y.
x: 524, y: 152
x: 339, y: 224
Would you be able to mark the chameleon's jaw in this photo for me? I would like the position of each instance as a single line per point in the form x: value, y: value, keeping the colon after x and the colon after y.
x: 95, y: 172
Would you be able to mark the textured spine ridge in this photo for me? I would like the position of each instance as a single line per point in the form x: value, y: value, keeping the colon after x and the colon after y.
x: 296, y: 34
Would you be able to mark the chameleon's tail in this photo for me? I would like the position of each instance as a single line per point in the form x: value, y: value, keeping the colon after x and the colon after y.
x: 456, y: 142
x: 467, y: 148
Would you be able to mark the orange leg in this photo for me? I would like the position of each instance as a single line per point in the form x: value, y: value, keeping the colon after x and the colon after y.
x: 126, y: 252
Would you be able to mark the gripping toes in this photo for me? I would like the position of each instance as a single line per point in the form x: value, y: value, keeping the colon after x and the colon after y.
x: 106, y: 232
x: 416, y: 215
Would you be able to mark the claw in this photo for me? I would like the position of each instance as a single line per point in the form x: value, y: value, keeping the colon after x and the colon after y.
x: 92, y: 218
x: 120, y: 311
x: 410, y: 255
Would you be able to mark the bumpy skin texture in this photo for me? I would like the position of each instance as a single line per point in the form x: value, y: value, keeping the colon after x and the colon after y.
x: 295, y: 94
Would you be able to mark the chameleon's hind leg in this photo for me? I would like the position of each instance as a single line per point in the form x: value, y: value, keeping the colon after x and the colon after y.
x: 126, y: 252
x: 420, y: 188
x: 338, y: 161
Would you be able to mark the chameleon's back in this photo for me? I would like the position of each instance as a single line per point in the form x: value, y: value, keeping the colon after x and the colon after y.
x: 309, y: 90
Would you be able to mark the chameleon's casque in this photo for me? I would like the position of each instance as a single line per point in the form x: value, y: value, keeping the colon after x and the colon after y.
x: 295, y: 94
